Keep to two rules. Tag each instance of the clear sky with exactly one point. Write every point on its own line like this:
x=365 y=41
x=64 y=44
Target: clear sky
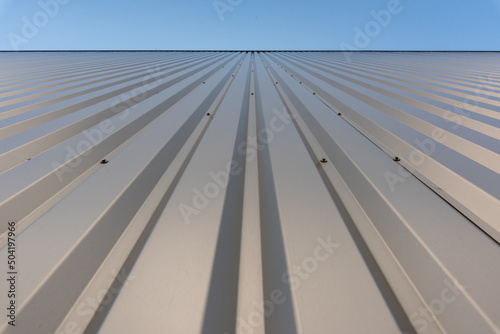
x=250 y=25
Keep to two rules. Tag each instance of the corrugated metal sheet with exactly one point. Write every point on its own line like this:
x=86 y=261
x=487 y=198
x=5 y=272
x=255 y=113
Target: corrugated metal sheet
x=251 y=192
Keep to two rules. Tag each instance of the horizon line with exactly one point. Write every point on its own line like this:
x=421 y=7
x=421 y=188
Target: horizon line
x=249 y=50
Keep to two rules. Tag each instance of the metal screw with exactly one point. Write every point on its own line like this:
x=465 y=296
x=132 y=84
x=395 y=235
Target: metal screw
x=208 y=114
x=396 y=159
x=340 y=114
x=314 y=93
x=323 y=161
x=104 y=161
x=252 y=94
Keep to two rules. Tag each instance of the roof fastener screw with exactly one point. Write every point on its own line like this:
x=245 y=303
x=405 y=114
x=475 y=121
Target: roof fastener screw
x=314 y=93
x=252 y=93
x=208 y=114
x=340 y=114
x=397 y=159
x=276 y=82
x=104 y=161
x=323 y=161
x=204 y=82
x=301 y=82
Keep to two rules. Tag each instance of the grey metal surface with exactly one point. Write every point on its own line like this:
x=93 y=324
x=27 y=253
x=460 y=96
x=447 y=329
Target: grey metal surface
x=251 y=192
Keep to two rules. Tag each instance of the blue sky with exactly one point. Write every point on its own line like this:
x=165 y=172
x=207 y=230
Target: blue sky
x=249 y=25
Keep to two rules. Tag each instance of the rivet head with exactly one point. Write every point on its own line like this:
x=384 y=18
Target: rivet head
x=104 y=161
